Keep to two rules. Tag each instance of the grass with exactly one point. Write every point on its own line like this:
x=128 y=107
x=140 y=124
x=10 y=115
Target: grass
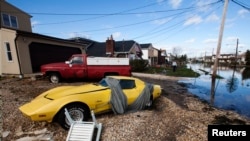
x=182 y=71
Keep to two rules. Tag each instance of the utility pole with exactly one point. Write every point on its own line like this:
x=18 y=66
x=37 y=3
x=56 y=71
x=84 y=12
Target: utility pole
x=218 y=51
x=236 y=53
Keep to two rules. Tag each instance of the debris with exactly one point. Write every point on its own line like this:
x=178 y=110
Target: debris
x=5 y=134
x=43 y=137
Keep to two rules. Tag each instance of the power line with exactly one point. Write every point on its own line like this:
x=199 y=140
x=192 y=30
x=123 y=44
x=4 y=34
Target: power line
x=134 y=23
x=177 y=15
x=110 y=14
x=173 y=26
x=184 y=28
x=117 y=13
x=242 y=4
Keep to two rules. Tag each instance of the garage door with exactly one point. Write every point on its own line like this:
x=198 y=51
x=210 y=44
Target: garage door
x=46 y=53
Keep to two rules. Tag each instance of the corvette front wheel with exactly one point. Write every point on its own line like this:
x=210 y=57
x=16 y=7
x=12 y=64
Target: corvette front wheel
x=76 y=111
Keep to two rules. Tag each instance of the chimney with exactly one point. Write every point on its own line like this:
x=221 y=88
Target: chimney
x=110 y=46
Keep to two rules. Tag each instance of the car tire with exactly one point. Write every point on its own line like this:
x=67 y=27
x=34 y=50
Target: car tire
x=54 y=78
x=77 y=112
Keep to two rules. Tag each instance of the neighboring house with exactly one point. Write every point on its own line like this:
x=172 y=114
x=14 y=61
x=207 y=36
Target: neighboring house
x=208 y=59
x=163 y=58
x=226 y=58
x=23 y=52
x=145 y=48
x=151 y=54
x=111 y=48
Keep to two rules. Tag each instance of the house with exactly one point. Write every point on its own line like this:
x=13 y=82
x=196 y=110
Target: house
x=163 y=58
x=23 y=52
x=111 y=48
x=150 y=53
x=153 y=55
x=228 y=59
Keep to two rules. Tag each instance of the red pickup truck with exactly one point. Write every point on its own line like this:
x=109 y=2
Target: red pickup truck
x=81 y=66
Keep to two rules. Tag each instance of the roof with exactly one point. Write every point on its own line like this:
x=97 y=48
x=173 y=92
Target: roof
x=82 y=40
x=124 y=46
x=4 y=1
x=145 y=46
x=99 y=49
x=35 y=35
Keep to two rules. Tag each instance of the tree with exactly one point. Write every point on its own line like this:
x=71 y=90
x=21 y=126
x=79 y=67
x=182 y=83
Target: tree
x=247 y=59
x=176 y=51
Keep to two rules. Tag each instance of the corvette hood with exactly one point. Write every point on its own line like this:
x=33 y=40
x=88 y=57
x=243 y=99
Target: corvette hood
x=73 y=90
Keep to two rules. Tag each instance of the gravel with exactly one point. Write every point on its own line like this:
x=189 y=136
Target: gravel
x=176 y=115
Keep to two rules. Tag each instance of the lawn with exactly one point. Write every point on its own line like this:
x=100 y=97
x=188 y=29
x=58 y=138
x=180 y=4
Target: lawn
x=181 y=71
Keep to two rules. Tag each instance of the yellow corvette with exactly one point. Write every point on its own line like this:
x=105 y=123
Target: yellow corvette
x=119 y=94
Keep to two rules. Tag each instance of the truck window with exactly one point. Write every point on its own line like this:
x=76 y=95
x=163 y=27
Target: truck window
x=76 y=60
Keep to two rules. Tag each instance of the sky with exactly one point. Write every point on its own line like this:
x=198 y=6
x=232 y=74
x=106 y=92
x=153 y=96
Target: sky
x=191 y=27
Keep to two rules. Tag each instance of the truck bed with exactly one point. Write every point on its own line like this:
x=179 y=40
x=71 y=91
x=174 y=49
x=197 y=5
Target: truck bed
x=107 y=61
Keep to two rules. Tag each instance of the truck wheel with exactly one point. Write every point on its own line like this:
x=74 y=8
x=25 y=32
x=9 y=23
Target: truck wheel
x=54 y=78
x=76 y=111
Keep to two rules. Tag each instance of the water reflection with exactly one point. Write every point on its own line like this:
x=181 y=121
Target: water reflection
x=232 y=83
x=230 y=94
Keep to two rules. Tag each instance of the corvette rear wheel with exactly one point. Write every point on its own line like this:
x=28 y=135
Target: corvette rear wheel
x=76 y=111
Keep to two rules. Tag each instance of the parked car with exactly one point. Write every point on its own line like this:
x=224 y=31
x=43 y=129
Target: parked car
x=113 y=93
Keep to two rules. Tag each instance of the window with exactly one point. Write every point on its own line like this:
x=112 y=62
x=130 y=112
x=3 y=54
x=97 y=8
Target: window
x=76 y=60
x=13 y=21
x=127 y=84
x=10 y=21
x=8 y=51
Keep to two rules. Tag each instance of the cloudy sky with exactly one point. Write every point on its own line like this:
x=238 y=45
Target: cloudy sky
x=191 y=26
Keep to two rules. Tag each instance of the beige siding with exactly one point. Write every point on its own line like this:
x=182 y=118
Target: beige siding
x=153 y=52
x=24 y=56
x=23 y=18
x=8 y=67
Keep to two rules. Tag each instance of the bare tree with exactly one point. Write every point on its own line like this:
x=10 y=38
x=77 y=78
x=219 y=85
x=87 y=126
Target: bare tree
x=176 y=51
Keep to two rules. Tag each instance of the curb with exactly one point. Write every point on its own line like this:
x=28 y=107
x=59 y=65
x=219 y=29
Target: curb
x=159 y=76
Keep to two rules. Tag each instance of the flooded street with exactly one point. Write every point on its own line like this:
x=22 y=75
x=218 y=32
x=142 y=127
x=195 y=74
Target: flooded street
x=232 y=91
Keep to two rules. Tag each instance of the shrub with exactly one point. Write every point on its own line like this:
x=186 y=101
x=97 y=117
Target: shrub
x=138 y=65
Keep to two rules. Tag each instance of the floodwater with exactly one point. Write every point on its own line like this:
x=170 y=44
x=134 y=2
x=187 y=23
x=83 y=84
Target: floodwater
x=232 y=92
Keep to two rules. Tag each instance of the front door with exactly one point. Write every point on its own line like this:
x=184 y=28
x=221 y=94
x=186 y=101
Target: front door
x=76 y=68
